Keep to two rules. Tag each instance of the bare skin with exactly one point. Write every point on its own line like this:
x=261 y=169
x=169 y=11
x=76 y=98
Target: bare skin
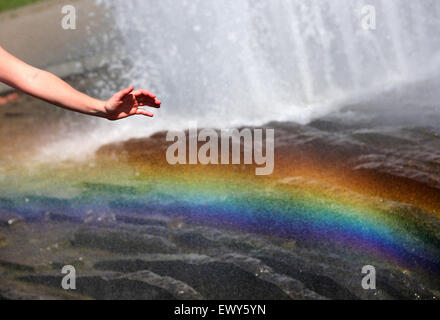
x=48 y=87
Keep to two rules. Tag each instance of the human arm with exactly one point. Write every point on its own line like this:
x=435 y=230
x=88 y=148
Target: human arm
x=46 y=86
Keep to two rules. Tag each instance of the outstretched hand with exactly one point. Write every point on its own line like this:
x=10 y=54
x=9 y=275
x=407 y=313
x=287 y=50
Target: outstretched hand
x=127 y=103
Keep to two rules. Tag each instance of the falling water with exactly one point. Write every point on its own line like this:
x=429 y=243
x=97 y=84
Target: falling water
x=246 y=62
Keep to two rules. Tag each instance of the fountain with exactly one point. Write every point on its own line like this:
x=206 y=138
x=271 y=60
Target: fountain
x=247 y=62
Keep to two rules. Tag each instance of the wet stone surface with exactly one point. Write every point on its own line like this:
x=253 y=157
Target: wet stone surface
x=122 y=261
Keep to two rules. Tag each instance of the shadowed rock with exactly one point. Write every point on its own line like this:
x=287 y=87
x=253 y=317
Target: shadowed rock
x=122 y=242
x=139 y=220
x=195 y=241
x=106 y=289
x=315 y=282
x=3 y=241
x=16 y=266
x=61 y=217
x=175 y=287
x=401 y=287
x=8 y=219
x=214 y=280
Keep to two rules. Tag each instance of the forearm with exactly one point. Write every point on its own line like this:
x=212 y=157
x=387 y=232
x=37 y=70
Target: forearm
x=46 y=86
x=52 y=89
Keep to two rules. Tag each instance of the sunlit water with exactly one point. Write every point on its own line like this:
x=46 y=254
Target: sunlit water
x=231 y=63
x=248 y=62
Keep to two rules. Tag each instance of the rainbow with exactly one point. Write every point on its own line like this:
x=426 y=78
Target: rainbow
x=287 y=205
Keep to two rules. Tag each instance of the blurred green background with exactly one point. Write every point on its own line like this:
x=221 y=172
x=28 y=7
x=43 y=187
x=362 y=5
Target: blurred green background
x=12 y=4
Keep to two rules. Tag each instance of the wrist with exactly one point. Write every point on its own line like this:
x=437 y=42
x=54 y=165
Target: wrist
x=99 y=109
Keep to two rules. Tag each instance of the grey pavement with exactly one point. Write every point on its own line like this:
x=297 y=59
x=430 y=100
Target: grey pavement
x=34 y=34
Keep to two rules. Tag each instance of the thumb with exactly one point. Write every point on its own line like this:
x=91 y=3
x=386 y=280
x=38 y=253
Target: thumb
x=121 y=94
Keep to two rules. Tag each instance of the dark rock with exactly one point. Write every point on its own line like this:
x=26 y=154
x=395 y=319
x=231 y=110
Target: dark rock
x=8 y=219
x=175 y=287
x=58 y=265
x=318 y=283
x=380 y=140
x=99 y=219
x=3 y=241
x=329 y=125
x=61 y=217
x=16 y=267
x=400 y=286
x=213 y=280
x=237 y=245
x=139 y=220
x=122 y=242
x=195 y=241
x=106 y=289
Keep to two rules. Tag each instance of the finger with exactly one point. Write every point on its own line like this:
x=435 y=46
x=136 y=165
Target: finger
x=143 y=92
x=155 y=103
x=121 y=94
x=149 y=104
x=144 y=113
